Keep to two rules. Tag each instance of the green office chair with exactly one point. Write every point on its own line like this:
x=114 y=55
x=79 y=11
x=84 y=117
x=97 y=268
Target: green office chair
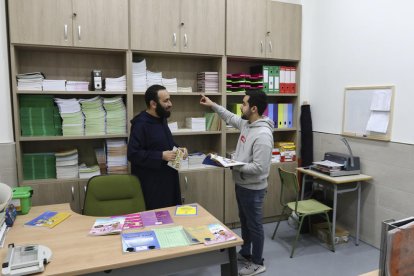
x=111 y=195
x=302 y=208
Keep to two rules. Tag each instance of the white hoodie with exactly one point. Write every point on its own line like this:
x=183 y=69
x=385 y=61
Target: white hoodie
x=254 y=147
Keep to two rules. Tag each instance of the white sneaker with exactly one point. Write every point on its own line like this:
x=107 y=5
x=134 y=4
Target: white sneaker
x=252 y=269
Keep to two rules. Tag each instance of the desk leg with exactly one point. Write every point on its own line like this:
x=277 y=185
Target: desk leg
x=302 y=191
x=335 y=200
x=358 y=213
x=231 y=267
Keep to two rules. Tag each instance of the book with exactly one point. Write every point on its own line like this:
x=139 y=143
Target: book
x=107 y=226
x=153 y=218
x=174 y=237
x=48 y=219
x=132 y=221
x=186 y=210
x=220 y=234
x=139 y=241
x=220 y=161
x=176 y=163
x=201 y=233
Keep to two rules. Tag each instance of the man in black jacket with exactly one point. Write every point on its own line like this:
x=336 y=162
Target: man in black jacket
x=150 y=148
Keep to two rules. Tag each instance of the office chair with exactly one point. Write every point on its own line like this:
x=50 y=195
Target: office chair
x=111 y=195
x=302 y=208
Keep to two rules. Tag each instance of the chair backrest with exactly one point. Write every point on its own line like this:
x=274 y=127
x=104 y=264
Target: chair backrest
x=111 y=195
x=289 y=187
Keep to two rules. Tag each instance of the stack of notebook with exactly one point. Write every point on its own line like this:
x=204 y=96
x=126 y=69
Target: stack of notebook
x=39 y=166
x=116 y=122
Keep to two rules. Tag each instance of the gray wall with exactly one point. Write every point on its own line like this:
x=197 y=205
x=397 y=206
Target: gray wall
x=389 y=195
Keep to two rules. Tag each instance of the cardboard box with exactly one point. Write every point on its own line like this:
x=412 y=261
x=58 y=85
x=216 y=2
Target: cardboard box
x=321 y=231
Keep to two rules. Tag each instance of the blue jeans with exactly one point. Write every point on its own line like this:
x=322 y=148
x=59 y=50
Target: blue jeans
x=250 y=203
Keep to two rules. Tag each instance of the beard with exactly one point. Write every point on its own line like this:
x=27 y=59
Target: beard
x=245 y=116
x=162 y=112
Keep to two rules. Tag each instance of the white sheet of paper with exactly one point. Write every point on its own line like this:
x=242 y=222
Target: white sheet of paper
x=381 y=101
x=378 y=121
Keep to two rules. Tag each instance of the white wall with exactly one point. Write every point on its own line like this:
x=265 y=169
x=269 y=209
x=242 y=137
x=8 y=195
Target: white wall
x=357 y=42
x=6 y=133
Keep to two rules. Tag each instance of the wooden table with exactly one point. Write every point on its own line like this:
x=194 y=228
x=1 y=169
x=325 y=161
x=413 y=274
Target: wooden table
x=340 y=185
x=75 y=252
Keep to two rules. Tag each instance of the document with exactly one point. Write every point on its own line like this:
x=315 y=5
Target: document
x=381 y=101
x=139 y=241
x=172 y=237
x=378 y=121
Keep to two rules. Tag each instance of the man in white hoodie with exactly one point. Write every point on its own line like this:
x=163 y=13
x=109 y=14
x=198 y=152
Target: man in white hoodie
x=254 y=147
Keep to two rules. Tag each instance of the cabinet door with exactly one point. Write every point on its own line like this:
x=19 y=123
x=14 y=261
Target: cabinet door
x=55 y=192
x=206 y=188
x=202 y=26
x=284 y=26
x=231 y=210
x=155 y=25
x=44 y=22
x=246 y=28
x=100 y=23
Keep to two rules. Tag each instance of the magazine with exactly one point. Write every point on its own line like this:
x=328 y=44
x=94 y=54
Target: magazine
x=132 y=221
x=186 y=210
x=220 y=161
x=153 y=218
x=48 y=219
x=107 y=226
x=139 y=241
x=201 y=233
x=176 y=163
x=220 y=234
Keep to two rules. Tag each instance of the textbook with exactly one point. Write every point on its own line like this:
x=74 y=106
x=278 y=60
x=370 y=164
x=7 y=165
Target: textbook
x=220 y=234
x=220 y=161
x=107 y=226
x=48 y=219
x=132 y=221
x=139 y=241
x=186 y=210
x=152 y=218
x=176 y=163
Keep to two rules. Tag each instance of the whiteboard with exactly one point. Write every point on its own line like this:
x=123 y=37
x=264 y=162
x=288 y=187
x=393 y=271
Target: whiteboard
x=368 y=112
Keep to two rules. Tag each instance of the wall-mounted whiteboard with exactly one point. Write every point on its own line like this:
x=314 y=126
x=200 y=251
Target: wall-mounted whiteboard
x=368 y=112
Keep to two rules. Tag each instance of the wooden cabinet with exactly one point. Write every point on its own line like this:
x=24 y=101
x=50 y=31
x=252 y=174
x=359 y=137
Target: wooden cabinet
x=263 y=29
x=81 y=23
x=189 y=26
x=55 y=192
x=205 y=187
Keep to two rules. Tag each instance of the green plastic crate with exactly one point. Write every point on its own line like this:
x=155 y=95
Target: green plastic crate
x=22 y=199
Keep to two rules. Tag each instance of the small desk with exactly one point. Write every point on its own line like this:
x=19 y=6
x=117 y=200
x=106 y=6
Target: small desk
x=341 y=184
x=74 y=252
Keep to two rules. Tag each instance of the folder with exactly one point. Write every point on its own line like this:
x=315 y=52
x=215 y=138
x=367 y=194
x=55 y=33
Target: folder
x=280 y=115
x=265 y=70
x=293 y=80
x=270 y=110
x=290 y=115
x=285 y=115
x=276 y=79
x=282 y=79
x=275 y=114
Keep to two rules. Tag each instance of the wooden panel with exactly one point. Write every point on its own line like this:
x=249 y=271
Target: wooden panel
x=205 y=188
x=246 y=28
x=100 y=23
x=153 y=25
x=55 y=192
x=203 y=29
x=41 y=22
x=284 y=25
x=231 y=211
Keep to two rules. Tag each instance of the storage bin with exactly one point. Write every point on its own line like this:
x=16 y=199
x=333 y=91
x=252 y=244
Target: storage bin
x=22 y=199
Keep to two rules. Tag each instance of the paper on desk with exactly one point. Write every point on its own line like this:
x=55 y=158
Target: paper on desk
x=378 y=121
x=328 y=163
x=171 y=237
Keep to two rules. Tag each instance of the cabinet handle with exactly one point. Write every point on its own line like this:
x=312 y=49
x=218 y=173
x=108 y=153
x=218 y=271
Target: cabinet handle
x=270 y=46
x=186 y=182
x=73 y=193
x=79 y=32
x=261 y=46
x=174 y=39
x=185 y=40
x=65 y=32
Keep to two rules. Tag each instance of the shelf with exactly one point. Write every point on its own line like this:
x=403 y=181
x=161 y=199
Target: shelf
x=184 y=93
x=182 y=132
x=67 y=93
x=50 y=181
x=200 y=167
x=269 y=95
x=274 y=130
x=58 y=138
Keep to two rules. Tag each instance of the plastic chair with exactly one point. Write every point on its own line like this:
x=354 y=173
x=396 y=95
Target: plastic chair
x=111 y=195
x=302 y=208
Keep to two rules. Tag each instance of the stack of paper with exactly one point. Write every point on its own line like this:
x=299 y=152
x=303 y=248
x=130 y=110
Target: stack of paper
x=101 y=159
x=67 y=164
x=116 y=122
x=196 y=124
x=95 y=116
x=30 y=81
x=72 y=116
x=196 y=158
x=54 y=85
x=154 y=78
x=170 y=84
x=86 y=172
x=77 y=86
x=139 y=76
x=39 y=116
x=115 y=84
x=185 y=89
x=39 y=166
x=116 y=156
x=207 y=82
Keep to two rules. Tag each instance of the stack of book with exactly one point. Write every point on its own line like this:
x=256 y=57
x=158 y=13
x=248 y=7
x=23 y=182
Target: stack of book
x=213 y=122
x=139 y=76
x=116 y=156
x=116 y=122
x=30 y=81
x=54 y=85
x=287 y=151
x=196 y=124
x=115 y=84
x=77 y=85
x=67 y=164
x=101 y=159
x=154 y=78
x=207 y=82
x=95 y=116
x=170 y=84
x=86 y=172
x=72 y=116
x=39 y=166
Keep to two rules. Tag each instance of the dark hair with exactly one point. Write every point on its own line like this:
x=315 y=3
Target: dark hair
x=257 y=98
x=152 y=93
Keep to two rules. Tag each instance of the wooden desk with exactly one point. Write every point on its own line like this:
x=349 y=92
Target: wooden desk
x=74 y=252
x=340 y=185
